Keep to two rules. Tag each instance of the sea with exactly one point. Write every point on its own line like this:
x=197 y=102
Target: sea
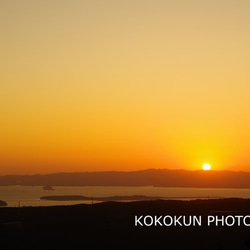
x=20 y=196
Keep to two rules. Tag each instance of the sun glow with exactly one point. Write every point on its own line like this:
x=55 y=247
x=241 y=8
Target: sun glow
x=206 y=167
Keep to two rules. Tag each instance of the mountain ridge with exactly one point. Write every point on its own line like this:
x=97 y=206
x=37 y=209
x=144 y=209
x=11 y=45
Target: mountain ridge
x=147 y=177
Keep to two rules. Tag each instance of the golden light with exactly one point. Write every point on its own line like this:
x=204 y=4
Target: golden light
x=206 y=167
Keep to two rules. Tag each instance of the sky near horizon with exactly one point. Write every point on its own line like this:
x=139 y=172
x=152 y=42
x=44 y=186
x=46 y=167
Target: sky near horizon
x=124 y=85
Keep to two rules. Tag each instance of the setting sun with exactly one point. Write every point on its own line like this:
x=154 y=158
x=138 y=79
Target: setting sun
x=206 y=167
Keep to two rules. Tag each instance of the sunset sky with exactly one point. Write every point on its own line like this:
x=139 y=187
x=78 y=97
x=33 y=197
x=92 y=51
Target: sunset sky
x=124 y=85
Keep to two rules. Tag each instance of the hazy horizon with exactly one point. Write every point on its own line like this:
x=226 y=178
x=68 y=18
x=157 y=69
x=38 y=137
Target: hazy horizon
x=128 y=171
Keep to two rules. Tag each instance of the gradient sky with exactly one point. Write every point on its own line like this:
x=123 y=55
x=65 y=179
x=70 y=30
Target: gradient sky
x=124 y=85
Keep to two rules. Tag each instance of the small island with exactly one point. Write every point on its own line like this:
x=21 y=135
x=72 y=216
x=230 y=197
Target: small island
x=3 y=203
x=48 y=187
x=110 y=198
x=118 y=198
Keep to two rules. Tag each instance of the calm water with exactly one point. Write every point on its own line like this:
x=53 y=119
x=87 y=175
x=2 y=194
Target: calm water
x=30 y=196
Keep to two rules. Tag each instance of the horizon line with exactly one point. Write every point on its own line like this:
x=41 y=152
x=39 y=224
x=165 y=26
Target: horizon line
x=131 y=171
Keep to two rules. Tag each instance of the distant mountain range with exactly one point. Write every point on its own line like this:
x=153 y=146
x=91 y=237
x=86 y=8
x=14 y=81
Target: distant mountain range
x=149 y=177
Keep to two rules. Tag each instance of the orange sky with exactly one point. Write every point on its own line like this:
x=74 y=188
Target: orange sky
x=124 y=85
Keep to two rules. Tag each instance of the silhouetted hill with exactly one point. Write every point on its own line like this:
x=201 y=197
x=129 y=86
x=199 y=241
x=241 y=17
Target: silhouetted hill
x=109 y=198
x=111 y=225
x=150 y=177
